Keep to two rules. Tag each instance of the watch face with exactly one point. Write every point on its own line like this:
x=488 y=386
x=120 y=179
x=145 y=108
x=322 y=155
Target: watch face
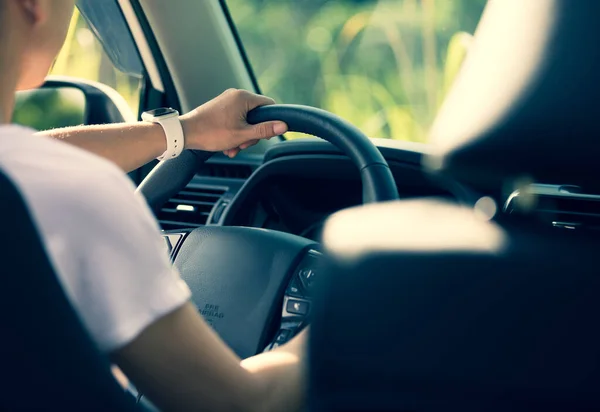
x=162 y=112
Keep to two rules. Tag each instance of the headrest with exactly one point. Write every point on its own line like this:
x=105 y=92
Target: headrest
x=527 y=101
x=429 y=306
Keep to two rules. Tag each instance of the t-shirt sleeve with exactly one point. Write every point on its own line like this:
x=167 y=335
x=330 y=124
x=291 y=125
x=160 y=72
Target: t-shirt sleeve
x=109 y=255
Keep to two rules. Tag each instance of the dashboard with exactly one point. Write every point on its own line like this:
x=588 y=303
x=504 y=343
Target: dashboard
x=296 y=186
x=302 y=182
x=293 y=188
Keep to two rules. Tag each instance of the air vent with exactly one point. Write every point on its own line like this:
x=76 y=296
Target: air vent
x=569 y=213
x=227 y=171
x=555 y=206
x=190 y=208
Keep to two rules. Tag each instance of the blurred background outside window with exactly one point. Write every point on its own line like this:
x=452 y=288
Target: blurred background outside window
x=385 y=65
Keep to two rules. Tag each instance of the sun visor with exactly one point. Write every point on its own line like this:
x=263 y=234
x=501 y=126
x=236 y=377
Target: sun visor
x=106 y=21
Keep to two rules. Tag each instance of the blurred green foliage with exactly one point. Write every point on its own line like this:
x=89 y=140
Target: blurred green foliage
x=45 y=109
x=385 y=65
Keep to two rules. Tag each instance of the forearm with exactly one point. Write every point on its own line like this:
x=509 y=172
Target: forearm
x=128 y=145
x=218 y=125
x=282 y=373
x=182 y=365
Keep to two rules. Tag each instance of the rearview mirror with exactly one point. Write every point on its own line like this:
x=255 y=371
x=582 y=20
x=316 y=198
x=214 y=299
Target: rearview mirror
x=65 y=101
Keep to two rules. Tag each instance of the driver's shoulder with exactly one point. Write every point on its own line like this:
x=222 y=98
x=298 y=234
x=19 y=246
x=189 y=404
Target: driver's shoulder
x=23 y=151
x=61 y=182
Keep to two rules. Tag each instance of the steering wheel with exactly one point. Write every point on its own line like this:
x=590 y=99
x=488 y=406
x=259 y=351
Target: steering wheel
x=240 y=277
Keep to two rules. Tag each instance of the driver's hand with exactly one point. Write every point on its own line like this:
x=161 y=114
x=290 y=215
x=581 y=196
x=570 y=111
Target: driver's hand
x=220 y=124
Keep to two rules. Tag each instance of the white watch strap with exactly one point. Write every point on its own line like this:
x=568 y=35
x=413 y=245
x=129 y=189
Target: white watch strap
x=175 y=138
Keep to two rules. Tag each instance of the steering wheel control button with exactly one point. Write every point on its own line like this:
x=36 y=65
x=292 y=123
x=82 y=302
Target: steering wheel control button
x=297 y=307
x=307 y=277
x=295 y=289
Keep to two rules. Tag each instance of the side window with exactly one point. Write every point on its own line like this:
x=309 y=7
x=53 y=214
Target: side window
x=83 y=56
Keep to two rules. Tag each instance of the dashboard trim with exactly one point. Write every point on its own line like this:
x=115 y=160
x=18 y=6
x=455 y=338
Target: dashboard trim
x=404 y=152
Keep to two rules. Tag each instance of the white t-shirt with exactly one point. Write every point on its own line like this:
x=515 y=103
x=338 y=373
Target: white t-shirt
x=101 y=237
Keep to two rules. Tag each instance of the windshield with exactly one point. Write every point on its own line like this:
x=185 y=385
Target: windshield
x=385 y=65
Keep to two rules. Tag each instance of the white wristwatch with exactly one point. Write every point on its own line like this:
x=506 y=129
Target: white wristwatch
x=169 y=120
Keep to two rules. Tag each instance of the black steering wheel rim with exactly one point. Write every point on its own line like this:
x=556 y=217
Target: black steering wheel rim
x=377 y=179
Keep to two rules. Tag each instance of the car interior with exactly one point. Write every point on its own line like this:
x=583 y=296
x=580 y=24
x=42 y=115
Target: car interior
x=454 y=275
